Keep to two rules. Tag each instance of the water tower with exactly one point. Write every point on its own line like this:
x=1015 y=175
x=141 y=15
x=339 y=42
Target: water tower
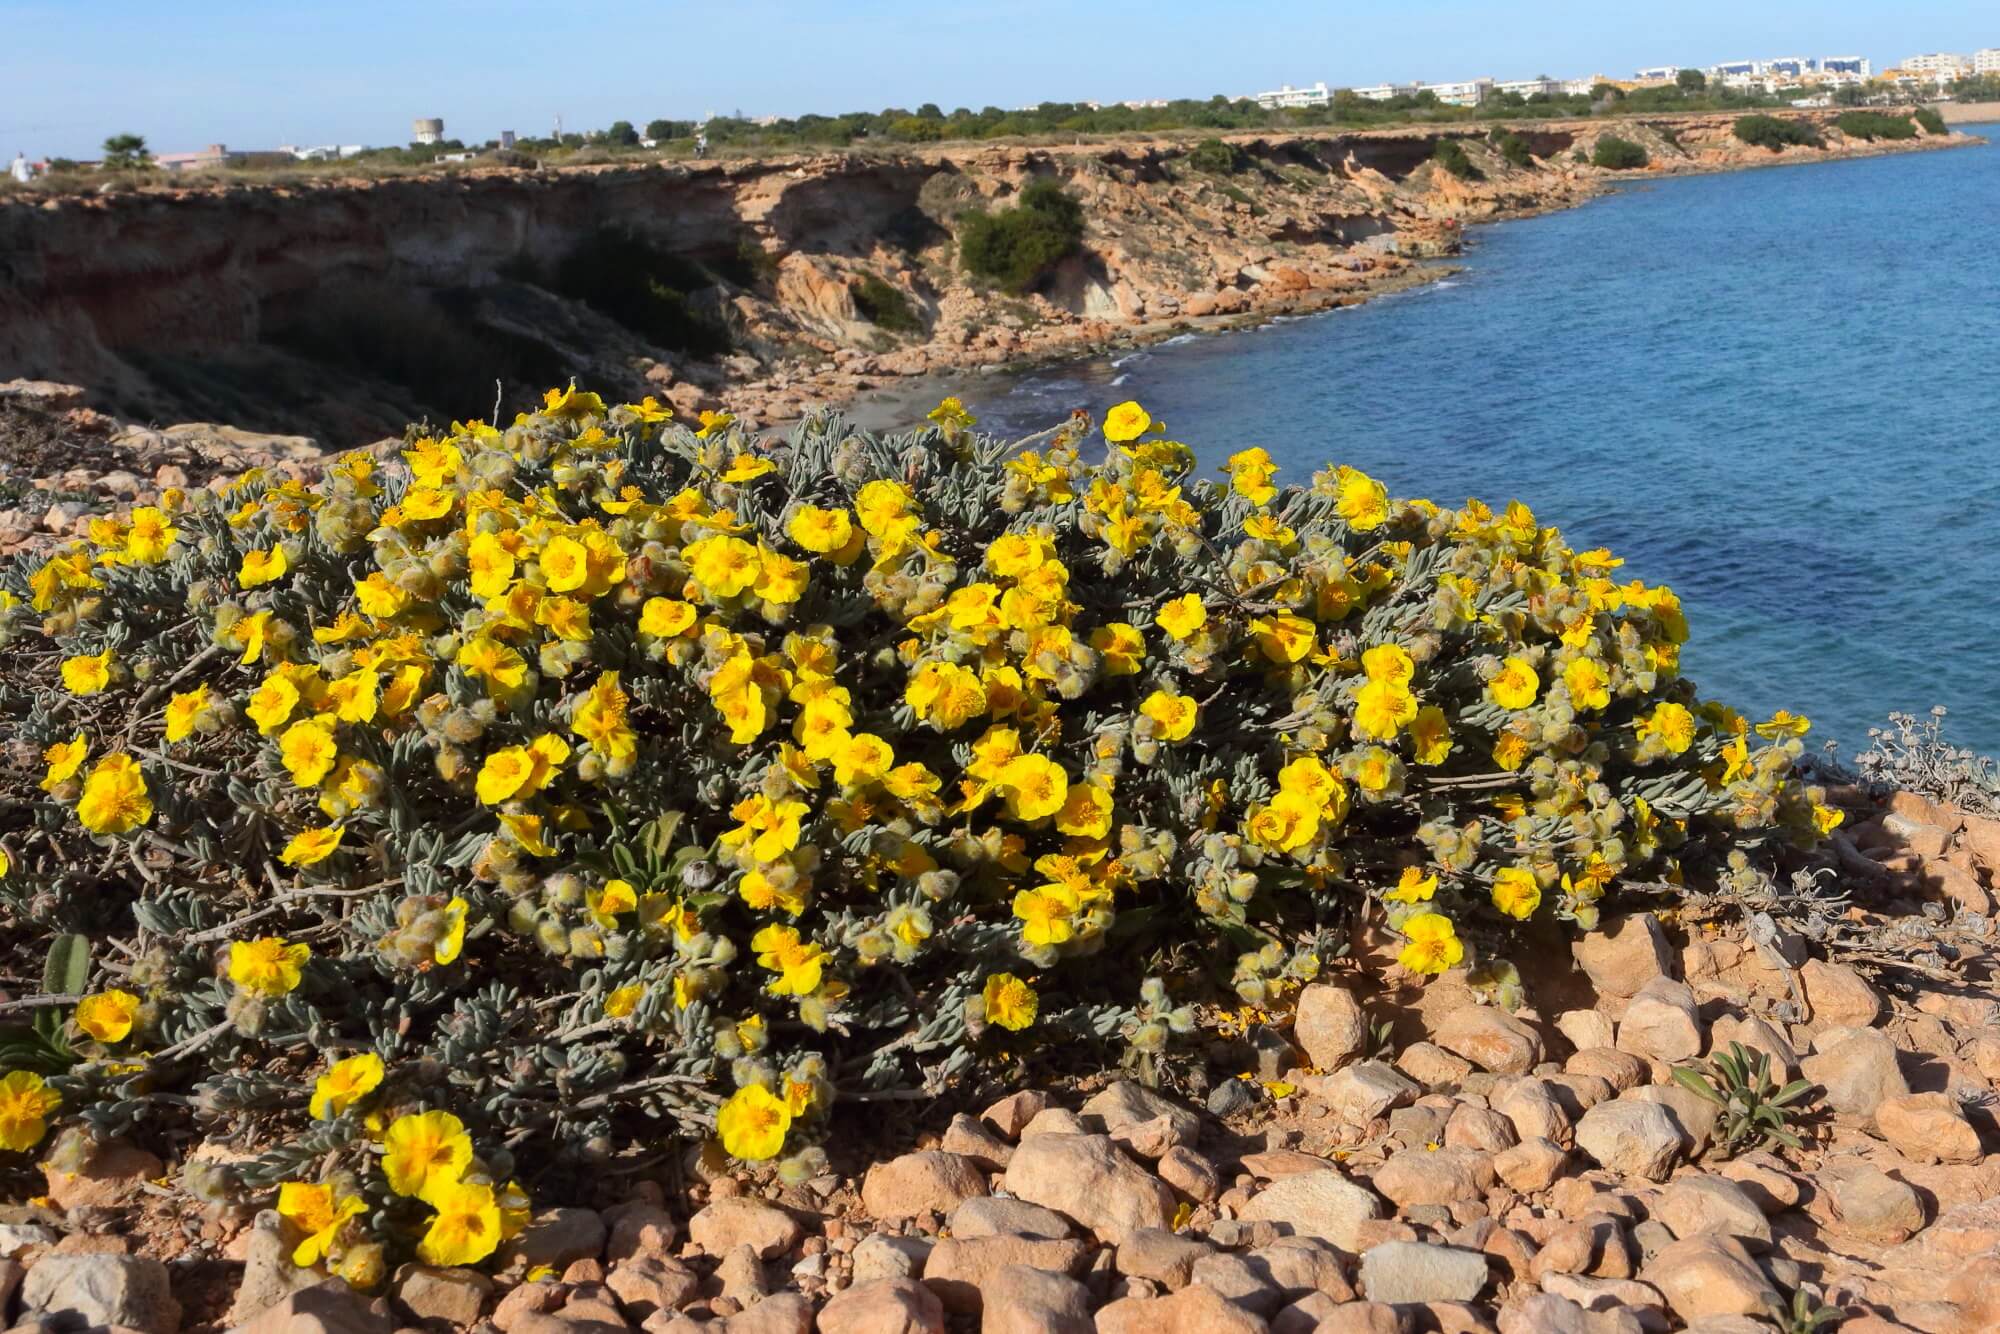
x=427 y=130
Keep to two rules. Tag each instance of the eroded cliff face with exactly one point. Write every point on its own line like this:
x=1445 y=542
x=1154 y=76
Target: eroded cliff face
x=343 y=310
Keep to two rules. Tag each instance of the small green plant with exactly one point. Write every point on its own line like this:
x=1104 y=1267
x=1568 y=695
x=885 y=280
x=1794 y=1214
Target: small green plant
x=885 y=306
x=1756 y=1113
x=1515 y=150
x=1615 y=154
x=1804 y=1314
x=1451 y=156
x=1016 y=249
x=1776 y=134
x=1215 y=157
x=1872 y=125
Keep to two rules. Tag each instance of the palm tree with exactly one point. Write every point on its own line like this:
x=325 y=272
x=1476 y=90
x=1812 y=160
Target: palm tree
x=126 y=152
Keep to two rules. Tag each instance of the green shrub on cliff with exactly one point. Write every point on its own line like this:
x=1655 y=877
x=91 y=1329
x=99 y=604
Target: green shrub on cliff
x=1514 y=149
x=1775 y=133
x=513 y=805
x=1615 y=154
x=644 y=288
x=1873 y=125
x=1931 y=120
x=885 y=306
x=1215 y=157
x=1015 y=249
x=1450 y=155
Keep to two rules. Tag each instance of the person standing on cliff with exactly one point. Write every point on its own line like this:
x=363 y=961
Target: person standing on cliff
x=20 y=170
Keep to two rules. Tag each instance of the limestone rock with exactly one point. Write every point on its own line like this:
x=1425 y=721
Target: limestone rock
x=1432 y=1066
x=1363 y=1091
x=930 y=1181
x=111 y=1177
x=1870 y=1203
x=1530 y=1166
x=639 y=1229
x=1632 y=1137
x=977 y=1141
x=1929 y=1128
x=1532 y=1110
x=1010 y=1115
x=1662 y=1022
x=1420 y=1176
x=881 y=1256
x=1415 y=1271
x=1126 y=1104
x=1321 y=1204
x=102 y=1289
x=1191 y=1174
x=328 y=1307
x=1086 y=1178
x=1839 y=996
x=1710 y=1276
x=1330 y=1026
x=1193 y=1310
x=1478 y=1128
x=1587 y=1028
x=1756 y=1034
x=886 y=1306
x=1620 y=1069
x=1713 y=1206
x=1624 y=955
x=1034 y=1301
x=1165 y=1257
x=959 y=1271
x=734 y=1221
x=1491 y=1039
x=646 y=1284
x=555 y=1238
x=269 y=1276
x=1546 y=1313
x=999 y=1216
x=454 y=1296
x=1858 y=1072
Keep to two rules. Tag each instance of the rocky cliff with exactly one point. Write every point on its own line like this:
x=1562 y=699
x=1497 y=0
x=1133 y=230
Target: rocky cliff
x=343 y=309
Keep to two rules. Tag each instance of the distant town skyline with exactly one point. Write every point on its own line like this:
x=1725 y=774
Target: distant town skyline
x=255 y=76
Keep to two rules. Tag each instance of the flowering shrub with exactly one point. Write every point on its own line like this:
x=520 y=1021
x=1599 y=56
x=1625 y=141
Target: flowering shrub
x=439 y=830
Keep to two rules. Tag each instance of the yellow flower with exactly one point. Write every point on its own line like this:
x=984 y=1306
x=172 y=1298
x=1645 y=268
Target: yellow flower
x=1285 y=823
x=1515 y=892
x=1784 y=723
x=1174 y=714
x=747 y=468
x=26 y=1101
x=664 y=618
x=64 y=758
x=1382 y=708
x=309 y=847
x=490 y=661
x=1045 y=914
x=1672 y=724
x=1086 y=812
x=753 y=1124
x=950 y=414
x=1362 y=501
x=1036 y=787
x=798 y=963
x=489 y=566
x=1250 y=474
x=713 y=423
x=150 y=536
x=423 y=1152
x=1120 y=647
x=345 y=1083
x=262 y=567
x=1433 y=944
x=114 y=797
x=87 y=674
x=1826 y=819
x=314 y=1211
x=467 y=1227
x=308 y=750
x=1413 y=887
x=821 y=531
x=272 y=702
x=565 y=564
x=184 y=711
x=1127 y=421
x=1589 y=688
x=108 y=1015
x=452 y=943
x=1285 y=637
x=1431 y=735
x=1182 y=616
x=723 y=566
x=267 y=966
x=622 y=1002
x=1515 y=685
x=504 y=774
x=1010 y=1002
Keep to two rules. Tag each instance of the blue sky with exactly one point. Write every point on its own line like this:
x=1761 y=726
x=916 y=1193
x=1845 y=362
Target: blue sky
x=255 y=74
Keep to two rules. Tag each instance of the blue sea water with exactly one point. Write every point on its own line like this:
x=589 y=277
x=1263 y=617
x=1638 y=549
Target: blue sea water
x=1776 y=391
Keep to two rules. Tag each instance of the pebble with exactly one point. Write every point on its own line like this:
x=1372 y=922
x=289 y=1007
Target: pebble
x=1412 y=1271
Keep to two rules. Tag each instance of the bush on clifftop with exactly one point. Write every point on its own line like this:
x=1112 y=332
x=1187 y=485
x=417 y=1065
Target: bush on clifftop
x=1776 y=134
x=1451 y=156
x=1932 y=120
x=1017 y=248
x=1875 y=125
x=1615 y=154
x=1215 y=157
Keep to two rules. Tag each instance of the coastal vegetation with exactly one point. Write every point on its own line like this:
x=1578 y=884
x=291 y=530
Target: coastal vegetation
x=1214 y=156
x=885 y=306
x=1776 y=134
x=1450 y=154
x=1514 y=149
x=1875 y=125
x=1931 y=120
x=645 y=288
x=1615 y=154
x=442 y=829
x=1016 y=248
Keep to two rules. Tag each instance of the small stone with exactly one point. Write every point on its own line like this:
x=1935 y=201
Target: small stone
x=1432 y=1066
x=960 y=1269
x=881 y=1256
x=649 y=1283
x=1531 y=1166
x=1010 y=1116
x=527 y=1299
x=1662 y=1022
x=1033 y=1301
x=1605 y=1294
x=1313 y=1312
x=1195 y=1309
x=1478 y=1128
x=1165 y=1257
x=781 y=1313
x=978 y=1142
x=454 y=1296
x=1126 y=1104
x=1240 y=1282
x=1330 y=1026
x=930 y=1181
x=1190 y=1174
x=1710 y=1276
x=555 y=1238
x=1415 y=1271
x=1870 y=1203
x=1694 y=1114
x=1086 y=1178
x=103 y=1289
x=639 y=1229
x=328 y=1307
x=1321 y=1204
x=1546 y=1313
x=269 y=1276
x=1491 y=1039
x=1695 y=1206
x=1632 y=1138
x=111 y=1178
x=887 y=1306
x=734 y=1220
x=742 y=1275
x=1054 y=1121
x=1423 y=1176
x=1000 y=1216
x=1839 y=996
x=1858 y=1072
x=1624 y=955
x=1532 y=1112
x=1928 y=1128
x=1587 y=1028
x=1363 y=1091
x=1620 y=1069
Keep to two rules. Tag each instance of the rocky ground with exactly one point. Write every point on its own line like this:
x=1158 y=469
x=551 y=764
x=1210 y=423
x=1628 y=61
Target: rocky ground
x=1527 y=1172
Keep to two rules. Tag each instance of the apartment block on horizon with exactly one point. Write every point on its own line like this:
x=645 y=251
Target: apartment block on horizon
x=1319 y=95
x=1940 y=65
x=1388 y=92
x=1987 y=61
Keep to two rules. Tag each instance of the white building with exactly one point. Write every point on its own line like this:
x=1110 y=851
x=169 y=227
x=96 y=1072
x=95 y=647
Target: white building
x=1582 y=87
x=1987 y=61
x=1530 y=87
x=1940 y=65
x=1319 y=95
x=1385 y=92
x=1858 y=67
x=1658 y=74
x=1465 y=93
